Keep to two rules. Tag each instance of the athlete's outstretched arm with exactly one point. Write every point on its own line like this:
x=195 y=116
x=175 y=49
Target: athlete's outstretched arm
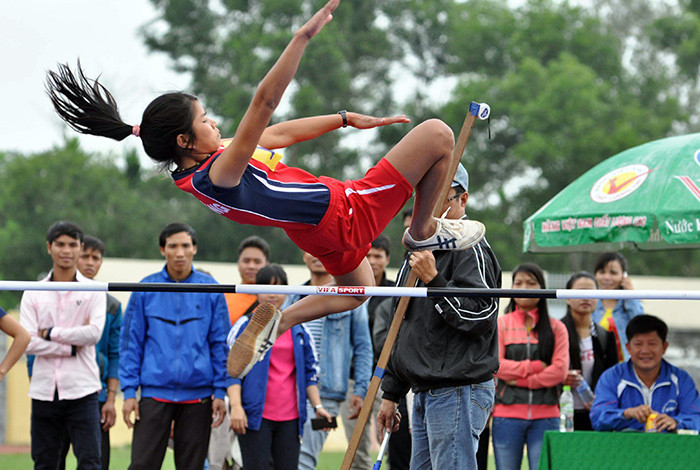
x=227 y=170
x=291 y=132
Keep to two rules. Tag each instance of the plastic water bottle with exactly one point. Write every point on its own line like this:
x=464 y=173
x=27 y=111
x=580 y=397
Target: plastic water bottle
x=566 y=410
x=585 y=393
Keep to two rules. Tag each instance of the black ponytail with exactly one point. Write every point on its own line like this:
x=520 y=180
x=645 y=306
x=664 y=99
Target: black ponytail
x=88 y=107
x=85 y=105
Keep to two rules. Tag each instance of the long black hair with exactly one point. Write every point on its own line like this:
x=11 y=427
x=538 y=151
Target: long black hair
x=568 y=320
x=545 y=335
x=89 y=108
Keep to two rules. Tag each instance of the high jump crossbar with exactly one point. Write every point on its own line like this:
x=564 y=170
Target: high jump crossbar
x=373 y=291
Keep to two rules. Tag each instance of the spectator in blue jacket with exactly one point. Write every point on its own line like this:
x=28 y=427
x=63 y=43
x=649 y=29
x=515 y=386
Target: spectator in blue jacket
x=628 y=393
x=268 y=406
x=173 y=347
x=613 y=314
x=338 y=338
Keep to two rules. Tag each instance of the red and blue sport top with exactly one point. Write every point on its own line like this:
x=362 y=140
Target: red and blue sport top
x=269 y=193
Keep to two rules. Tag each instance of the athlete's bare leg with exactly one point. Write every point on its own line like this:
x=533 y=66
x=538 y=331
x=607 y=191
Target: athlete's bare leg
x=312 y=307
x=267 y=324
x=424 y=157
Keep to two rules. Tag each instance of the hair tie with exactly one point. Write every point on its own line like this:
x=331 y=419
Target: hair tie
x=136 y=130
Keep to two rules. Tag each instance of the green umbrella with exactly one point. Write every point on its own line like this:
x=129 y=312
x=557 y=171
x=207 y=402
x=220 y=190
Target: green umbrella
x=647 y=196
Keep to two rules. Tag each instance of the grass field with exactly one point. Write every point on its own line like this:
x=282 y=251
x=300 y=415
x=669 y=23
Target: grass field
x=120 y=460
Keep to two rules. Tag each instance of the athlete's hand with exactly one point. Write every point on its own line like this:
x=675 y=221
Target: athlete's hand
x=239 y=420
x=319 y=20
x=130 y=404
x=423 y=264
x=360 y=121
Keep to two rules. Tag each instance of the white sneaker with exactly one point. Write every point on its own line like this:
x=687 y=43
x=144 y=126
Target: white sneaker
x=257 y=338
x=451 y=234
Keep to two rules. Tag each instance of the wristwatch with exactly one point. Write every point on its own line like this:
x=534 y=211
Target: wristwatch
x=344 y=115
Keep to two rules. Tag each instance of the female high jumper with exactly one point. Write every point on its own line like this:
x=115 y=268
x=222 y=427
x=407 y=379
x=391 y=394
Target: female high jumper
x=243 y=180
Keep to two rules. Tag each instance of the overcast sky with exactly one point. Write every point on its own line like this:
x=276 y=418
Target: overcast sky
x=35 y=35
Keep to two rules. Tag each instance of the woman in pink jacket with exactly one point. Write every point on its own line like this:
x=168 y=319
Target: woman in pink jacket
x=533 y=350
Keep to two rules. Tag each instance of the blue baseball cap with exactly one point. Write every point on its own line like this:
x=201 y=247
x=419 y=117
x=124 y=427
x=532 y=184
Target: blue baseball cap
x=461 y=178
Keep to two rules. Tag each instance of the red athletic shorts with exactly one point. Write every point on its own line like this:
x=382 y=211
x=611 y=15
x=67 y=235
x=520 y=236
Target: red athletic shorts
x=357 y=213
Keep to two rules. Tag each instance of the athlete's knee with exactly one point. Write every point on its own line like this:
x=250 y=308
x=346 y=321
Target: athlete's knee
x=439 y=133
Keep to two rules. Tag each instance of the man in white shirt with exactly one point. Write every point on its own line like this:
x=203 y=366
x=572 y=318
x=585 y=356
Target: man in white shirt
x=64 y=328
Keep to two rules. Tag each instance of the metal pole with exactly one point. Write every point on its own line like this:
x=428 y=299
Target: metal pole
x=382 y=449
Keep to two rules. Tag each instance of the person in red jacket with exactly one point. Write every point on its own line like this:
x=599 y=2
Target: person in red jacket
x=533 y=350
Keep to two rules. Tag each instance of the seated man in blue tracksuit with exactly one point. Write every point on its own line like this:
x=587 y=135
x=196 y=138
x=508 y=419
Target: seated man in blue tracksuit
x=629 y=392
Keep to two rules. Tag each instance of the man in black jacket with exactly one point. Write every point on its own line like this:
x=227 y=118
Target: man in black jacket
x=447 y=352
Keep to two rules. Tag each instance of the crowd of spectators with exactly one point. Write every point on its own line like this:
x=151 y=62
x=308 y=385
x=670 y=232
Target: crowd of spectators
x=168 y=358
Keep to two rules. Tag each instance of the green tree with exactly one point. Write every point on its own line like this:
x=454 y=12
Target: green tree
x=65 y=184
x=126 y=208
x=563 y=100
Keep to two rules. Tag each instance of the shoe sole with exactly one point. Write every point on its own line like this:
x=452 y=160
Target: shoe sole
x=243 y=350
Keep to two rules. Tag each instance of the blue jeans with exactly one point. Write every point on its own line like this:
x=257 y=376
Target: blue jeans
x=312 y=441
x=509 y=436
x=447 y=423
